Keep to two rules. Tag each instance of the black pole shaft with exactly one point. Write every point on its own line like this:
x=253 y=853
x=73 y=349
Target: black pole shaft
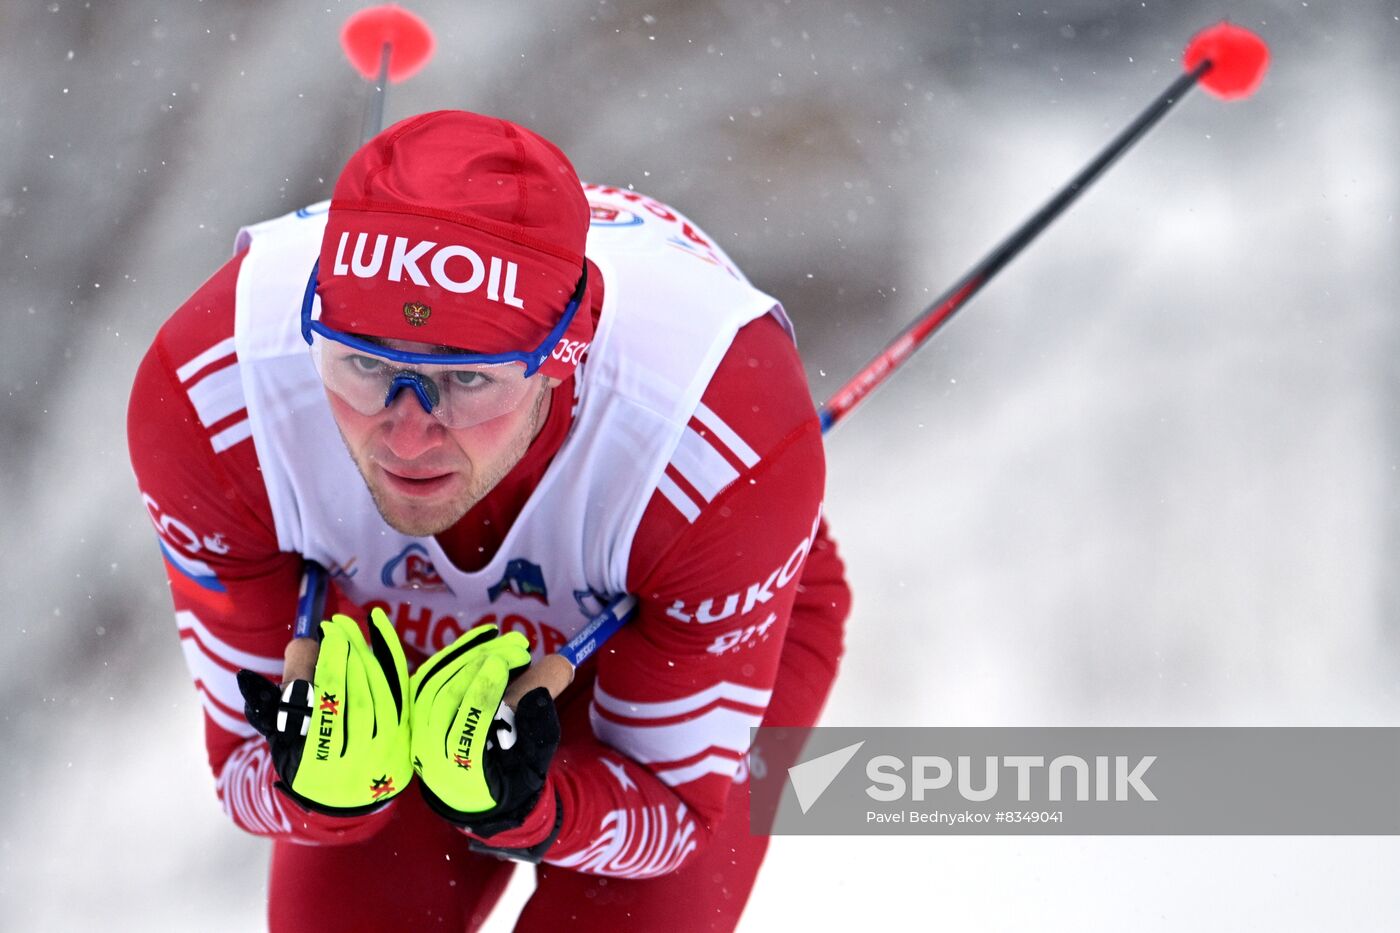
x=913 y=336
x=1028 y=231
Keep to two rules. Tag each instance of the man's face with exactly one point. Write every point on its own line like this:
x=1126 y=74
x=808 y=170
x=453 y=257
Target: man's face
x=424 y=476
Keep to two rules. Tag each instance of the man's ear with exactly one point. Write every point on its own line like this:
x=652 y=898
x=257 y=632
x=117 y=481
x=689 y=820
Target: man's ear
x=550 y=383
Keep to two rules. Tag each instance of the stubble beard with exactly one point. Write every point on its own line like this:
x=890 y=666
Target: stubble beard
x=432 y=520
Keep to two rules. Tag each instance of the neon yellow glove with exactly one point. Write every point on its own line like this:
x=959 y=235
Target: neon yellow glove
x=341 y=745
x=475 y=769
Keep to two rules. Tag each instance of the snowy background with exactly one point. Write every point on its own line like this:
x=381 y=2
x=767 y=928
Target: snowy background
x=1148 y=477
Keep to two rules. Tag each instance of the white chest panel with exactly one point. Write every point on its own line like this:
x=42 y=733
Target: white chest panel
x=672 y=304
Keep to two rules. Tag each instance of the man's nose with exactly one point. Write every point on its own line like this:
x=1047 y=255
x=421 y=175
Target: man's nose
x=412 y=431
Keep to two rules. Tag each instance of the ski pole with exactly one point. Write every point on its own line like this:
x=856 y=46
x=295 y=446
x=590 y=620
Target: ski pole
x=1227 y=59
x=299 y=659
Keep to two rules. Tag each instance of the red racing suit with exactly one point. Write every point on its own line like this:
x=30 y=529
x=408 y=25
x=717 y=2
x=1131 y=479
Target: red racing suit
x=716 y=634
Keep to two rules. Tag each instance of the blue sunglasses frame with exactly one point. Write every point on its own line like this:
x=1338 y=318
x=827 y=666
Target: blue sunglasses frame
x=533 y=359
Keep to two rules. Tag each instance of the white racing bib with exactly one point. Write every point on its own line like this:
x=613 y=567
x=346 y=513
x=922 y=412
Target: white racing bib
x=672 y=305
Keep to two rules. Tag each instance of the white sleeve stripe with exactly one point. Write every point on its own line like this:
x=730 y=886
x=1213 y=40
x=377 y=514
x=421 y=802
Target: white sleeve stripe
x=231 y=435
x=723 y=690
x=718 y=731
x=668 y=742
x=706 y=416
x=217 y=352
x=712 y=764
x=217 y=395
x=702 y=465
x=238 y=727
x=187 y=621
x=677 y=497
x=219 y=682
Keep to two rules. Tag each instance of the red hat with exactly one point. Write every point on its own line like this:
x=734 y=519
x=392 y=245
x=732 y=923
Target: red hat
x=461 y=230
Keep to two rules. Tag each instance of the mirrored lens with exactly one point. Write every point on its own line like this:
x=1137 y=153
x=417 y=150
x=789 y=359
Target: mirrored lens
x=466 y=395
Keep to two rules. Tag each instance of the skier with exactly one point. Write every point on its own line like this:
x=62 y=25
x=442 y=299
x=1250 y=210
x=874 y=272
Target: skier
x=485 y=437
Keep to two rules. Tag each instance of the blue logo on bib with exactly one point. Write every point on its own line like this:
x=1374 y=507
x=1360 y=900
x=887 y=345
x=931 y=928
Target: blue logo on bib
x=523 y=580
